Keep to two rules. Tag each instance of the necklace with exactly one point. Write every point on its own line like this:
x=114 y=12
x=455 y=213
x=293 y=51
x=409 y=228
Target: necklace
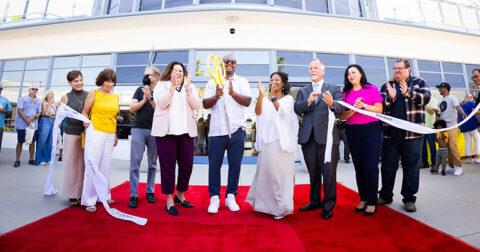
x=79 y=100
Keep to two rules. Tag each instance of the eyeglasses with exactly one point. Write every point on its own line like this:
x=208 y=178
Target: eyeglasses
x=34 y=89
x=398 y=68
x=230 y=62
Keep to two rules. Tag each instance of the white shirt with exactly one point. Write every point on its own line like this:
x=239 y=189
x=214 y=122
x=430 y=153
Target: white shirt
x=317 y=87
x=281 y=125
x=234 y=113
x=178 y=112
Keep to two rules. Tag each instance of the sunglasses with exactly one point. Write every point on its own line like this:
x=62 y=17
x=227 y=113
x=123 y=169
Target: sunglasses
x=34 y=89
x=228 y=62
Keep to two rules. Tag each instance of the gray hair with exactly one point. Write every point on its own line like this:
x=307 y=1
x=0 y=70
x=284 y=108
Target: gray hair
x=154 y=69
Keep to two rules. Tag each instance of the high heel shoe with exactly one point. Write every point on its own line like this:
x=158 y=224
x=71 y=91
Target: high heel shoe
x=171 y=210
x=365 y=213
x=361 y=209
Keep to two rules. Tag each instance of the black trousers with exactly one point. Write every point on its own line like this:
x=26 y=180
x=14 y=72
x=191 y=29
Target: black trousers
x=314 y=154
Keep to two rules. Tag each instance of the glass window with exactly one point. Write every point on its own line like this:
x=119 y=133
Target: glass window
x=13 y=65
x=66 y=62
x=130 y=75
x=294 y=71
x=163 y=58
x=15 y=10
x=432 y=79
x=317 y=5
x=120 y=6
x=146 y=5
x=334 y=75
x=450 y=14
x=374 y=68
x=355 y=8
x=214 y=1
x=33 y=64
x=253 y=70
x=431 y=11
x=294 y=58
x=36 y=8
x=11 y=79
x=253 y=63
x=452 y=67
x=38 y=77
x=96 y=60
x=69 y=8
x=252 y=1
x=133 y=58
x=455 y=80
x=177 y=3
x=334 y=59
x=424 y=65
x=341 y=7
x=59 y=77
x=469 y=17
x=289 y=3
x=89 y=75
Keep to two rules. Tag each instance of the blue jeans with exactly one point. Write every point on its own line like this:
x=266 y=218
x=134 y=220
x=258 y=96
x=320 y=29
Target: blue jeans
x=216 y=149
x=139 y=139
x=44 y=143
x=410 y=152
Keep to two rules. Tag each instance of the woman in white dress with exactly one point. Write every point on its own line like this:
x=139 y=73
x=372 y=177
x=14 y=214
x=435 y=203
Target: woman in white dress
x=271 y=191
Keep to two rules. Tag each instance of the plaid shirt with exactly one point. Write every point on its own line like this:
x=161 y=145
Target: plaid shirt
x=415 y=104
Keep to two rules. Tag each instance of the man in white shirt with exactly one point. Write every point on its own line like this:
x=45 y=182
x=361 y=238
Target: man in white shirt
x=448 y=107
x=226 y=132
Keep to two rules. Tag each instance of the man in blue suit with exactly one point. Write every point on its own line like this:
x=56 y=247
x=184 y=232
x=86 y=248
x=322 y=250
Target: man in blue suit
x=313 y=104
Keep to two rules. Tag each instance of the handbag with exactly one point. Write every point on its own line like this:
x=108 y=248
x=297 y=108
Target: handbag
x=29 y=133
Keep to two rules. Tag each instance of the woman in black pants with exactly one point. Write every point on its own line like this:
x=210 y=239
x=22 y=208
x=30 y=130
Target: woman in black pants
x=364 y=135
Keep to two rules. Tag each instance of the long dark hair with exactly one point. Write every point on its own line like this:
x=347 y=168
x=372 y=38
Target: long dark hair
x=284 y=77
x=168 y=70
x=348 y=85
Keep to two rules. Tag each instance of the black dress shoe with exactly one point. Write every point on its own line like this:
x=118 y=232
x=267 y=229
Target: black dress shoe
x=185 y=203
x=360 y=210
x=151 y=198
x=327 y=214
x=133 y=202
x=309 y=207
x=172 y=210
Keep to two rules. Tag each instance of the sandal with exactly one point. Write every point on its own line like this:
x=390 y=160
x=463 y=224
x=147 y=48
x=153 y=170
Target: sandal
x=91 y=209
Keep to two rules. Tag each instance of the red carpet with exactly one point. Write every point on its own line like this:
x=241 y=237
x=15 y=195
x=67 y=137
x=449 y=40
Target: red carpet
x=73 y=229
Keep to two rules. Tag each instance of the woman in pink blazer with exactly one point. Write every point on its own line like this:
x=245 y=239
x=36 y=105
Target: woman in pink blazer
x=174 y=127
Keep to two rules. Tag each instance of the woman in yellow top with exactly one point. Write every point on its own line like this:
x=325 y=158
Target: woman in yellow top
x=101 y=106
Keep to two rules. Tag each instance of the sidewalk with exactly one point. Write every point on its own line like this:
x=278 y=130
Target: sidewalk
x=450 y=204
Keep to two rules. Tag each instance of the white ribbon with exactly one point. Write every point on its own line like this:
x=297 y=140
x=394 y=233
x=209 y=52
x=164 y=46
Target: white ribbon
x=99 y=181
x=328 y=147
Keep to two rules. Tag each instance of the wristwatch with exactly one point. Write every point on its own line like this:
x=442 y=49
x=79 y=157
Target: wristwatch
x=274 y=99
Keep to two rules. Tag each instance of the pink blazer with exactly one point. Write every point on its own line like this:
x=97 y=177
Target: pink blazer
x=161 y=117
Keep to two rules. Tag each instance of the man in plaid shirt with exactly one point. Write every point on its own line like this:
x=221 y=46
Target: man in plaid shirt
x=404 y=97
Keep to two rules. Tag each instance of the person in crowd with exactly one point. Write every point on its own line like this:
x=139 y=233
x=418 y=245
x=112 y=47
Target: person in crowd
x=45 y=129
x=200 y=139
x=271 y=191
x=342 y=126
x=404 y=97
x=60 y=140
x=5 y=109
x=29 y=110
x=226 y=132
x=476 y=83
x=174 y=128
x=442 y=153
x=364 y=135
x=447 y=109
x=312 y=104
x=470 y=130
x=102 y=107
x=143 y=106
x=430 y=116
x=73 y=160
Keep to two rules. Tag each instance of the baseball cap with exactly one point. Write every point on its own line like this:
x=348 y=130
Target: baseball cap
x=444 y=85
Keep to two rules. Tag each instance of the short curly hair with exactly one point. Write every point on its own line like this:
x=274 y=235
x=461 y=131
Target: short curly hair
x=106 y=74
x=284 y=77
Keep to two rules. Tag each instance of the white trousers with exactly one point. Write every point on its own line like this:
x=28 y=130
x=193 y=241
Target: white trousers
x=475 y=135
x=101 y=154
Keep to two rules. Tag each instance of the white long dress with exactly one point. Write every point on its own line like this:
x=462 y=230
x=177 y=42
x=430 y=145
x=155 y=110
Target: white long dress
x=271 y=191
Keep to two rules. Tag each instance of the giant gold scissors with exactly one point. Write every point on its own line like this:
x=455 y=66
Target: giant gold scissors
x=217 y=72
x=218 y=75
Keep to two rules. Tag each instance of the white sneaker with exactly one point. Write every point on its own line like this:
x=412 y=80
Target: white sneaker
x=43 y=163
x=458 y=171
x=449 y=170
x=231 y=203
x=214 y=204
x=476 y=161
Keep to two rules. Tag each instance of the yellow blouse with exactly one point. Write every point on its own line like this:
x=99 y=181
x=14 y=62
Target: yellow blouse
x=104 y=112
